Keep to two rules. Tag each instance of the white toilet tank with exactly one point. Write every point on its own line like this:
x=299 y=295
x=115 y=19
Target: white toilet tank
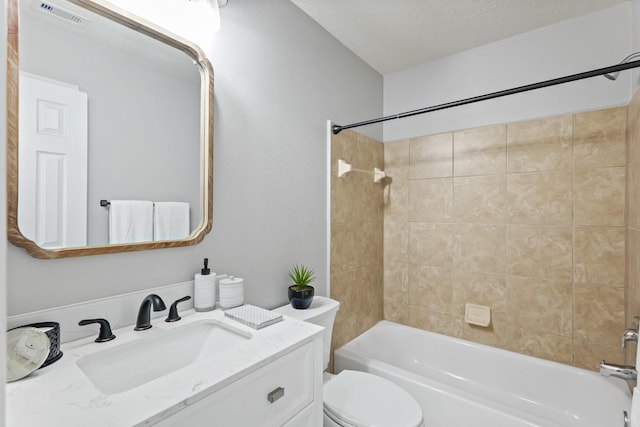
x=322 y=312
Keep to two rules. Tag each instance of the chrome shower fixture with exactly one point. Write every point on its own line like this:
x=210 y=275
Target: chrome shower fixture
x=613 y=76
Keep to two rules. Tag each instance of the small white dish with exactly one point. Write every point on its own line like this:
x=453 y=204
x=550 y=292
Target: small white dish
x=27 y=349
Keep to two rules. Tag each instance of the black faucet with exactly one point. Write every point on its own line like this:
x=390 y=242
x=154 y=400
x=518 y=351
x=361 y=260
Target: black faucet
x=173 y=310
x=144 y=313
x=105 y=329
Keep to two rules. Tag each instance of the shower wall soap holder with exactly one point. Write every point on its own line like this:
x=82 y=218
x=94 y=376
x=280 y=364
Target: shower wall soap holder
x=344 y=168
x=479 y=315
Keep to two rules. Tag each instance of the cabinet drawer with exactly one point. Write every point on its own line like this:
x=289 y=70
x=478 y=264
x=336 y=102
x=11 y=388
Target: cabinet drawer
x=267 y=397
x=304 y=418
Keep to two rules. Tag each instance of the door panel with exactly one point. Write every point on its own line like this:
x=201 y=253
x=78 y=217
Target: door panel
x=52 y=172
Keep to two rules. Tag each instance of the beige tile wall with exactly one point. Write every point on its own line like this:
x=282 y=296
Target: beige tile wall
x=527 y=218
x=632 y=289
x=356 y=236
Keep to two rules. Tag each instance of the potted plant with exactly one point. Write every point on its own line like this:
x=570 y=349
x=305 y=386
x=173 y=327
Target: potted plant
x=301 y=293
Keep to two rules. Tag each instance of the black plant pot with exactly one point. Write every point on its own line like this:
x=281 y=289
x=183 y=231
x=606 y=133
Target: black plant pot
x=300 y=299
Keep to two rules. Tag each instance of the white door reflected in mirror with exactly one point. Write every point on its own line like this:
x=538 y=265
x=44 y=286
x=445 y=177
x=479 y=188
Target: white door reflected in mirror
x=52 y=163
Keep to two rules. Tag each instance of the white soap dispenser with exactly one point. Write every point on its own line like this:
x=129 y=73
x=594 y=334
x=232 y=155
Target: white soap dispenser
x=204 y=289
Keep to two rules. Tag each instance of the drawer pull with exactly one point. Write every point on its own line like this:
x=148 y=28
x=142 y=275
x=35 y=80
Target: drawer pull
x=275 y=394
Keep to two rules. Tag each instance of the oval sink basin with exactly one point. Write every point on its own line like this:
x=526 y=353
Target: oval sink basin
x=129 y=365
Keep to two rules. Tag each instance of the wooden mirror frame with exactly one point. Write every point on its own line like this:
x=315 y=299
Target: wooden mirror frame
x=206 y=134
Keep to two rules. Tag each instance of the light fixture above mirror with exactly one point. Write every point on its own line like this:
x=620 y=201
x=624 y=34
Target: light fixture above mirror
x=141 y=135
x=193 y=20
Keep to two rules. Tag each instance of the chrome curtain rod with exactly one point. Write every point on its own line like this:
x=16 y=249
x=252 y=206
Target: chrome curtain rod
x=553 y=82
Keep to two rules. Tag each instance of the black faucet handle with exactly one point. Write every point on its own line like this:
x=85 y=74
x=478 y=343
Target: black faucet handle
x=173 y=310
x=105 y=329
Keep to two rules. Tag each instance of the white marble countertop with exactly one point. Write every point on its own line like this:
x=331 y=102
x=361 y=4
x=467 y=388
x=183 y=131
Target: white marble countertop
x=61 y=394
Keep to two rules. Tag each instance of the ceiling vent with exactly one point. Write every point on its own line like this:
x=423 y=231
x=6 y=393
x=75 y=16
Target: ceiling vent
x=61 y=13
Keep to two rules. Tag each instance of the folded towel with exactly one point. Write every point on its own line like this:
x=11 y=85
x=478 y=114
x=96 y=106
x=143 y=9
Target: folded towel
x=171 y=220
x=130 y=221
x=253 y=316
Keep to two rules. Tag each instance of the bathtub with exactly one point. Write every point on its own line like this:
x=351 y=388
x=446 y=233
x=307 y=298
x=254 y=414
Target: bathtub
x=464 y=384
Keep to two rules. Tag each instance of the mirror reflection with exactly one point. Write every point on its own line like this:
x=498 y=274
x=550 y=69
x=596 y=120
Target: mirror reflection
x=108 y=114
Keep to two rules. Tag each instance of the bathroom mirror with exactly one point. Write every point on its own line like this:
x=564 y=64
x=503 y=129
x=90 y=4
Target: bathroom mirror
x=145 y=122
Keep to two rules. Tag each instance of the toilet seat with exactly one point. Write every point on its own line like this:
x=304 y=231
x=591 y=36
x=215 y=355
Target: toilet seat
x=360 y=399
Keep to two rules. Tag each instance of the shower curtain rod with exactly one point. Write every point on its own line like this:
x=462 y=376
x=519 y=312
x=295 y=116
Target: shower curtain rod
x=553 y=82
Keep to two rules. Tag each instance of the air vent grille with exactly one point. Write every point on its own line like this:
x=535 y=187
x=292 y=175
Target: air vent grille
x=61 y=13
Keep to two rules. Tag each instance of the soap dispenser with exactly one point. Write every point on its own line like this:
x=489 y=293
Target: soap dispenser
x=204 y=289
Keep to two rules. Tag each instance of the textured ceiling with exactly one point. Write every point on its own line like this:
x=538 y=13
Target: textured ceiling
x=395 y=35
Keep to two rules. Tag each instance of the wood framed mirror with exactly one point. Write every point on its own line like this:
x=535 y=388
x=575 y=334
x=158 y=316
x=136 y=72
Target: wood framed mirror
x=147 y=126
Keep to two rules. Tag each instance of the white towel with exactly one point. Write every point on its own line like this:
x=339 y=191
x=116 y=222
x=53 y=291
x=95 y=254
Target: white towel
x=635 y=408
x=130 y=221
x=171 y=221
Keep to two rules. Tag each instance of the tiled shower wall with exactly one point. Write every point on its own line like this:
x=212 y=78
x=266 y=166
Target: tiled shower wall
x=527 y=218
x=356 y=236
x=632 y=297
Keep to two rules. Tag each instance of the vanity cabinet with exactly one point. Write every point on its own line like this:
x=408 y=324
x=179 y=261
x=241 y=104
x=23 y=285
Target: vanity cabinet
x=272 y=378
x=287 y=392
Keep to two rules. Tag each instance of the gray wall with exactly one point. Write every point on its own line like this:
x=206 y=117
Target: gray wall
x=144 y=120
x=591 y=41
x=278 y=78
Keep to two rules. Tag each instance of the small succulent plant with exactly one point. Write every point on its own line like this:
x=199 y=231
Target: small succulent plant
x=301 y=276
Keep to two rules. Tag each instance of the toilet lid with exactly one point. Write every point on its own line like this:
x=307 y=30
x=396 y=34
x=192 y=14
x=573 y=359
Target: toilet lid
x=364 y=400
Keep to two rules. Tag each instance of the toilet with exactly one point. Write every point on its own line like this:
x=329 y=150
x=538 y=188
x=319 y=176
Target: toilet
x=354 y=398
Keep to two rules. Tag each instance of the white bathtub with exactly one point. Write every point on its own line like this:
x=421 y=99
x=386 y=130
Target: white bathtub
x=463 y=384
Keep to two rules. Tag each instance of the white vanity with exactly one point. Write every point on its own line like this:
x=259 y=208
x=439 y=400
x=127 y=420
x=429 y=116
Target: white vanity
x=238 y=376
